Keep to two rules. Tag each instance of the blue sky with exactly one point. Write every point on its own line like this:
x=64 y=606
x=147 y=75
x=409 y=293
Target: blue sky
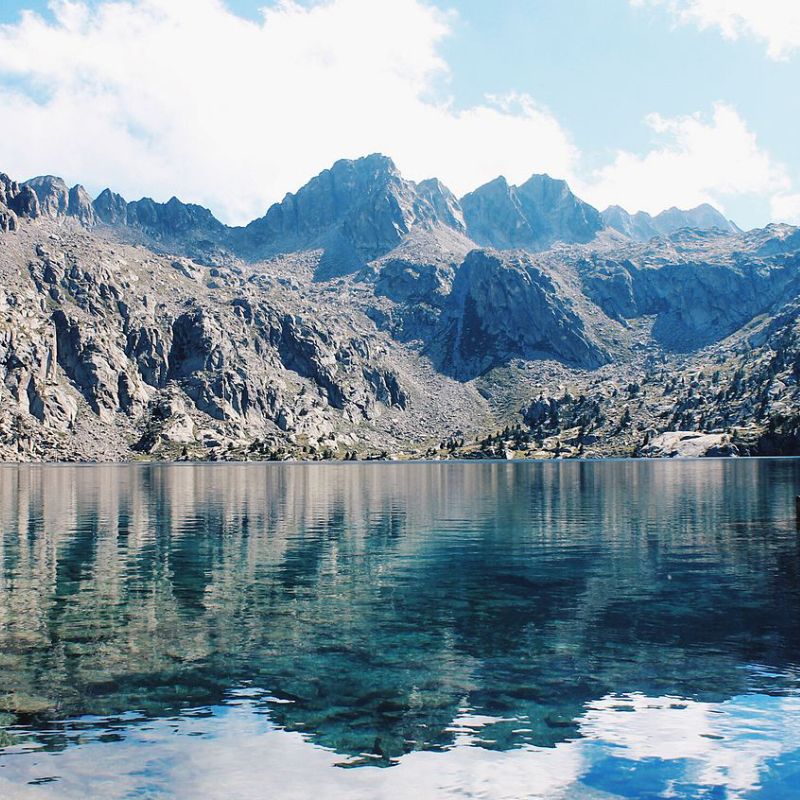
x=722 y=84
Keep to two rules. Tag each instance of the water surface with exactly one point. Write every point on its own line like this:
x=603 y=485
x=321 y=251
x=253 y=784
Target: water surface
x=496 y=630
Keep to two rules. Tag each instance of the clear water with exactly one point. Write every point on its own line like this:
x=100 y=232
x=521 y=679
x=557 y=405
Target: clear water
x=496 y=630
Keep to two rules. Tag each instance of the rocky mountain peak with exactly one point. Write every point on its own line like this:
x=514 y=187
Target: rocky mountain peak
x=52 y=193
x=702 y=217
x=56 y=200
x=444 y=203
x=111 y=208
x=79 y=205
x=533 y=216
x=542 y=188
x=356 y=211
x=641 y=226
x=172 y=218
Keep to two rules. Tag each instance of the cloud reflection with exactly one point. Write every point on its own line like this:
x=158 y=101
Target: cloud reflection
x=239 y=753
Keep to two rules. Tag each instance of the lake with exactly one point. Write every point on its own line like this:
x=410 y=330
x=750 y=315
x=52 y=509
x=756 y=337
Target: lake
x=589 y=630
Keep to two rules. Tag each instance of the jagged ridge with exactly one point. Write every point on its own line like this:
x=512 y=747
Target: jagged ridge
x=360 y=314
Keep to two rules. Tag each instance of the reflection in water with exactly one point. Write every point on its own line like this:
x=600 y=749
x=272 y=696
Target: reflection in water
x=661 y=747
x=487 y=628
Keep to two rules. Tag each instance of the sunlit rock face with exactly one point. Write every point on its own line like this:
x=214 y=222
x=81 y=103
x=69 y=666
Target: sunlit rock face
x=642 y=226
x=354 y=212
x=533 y=216
x=367 y=315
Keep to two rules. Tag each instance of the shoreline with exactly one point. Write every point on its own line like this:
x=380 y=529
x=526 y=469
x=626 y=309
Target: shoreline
x=395 y=461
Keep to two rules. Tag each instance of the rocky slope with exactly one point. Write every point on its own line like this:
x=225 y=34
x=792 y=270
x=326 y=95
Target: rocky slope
x=364 y=316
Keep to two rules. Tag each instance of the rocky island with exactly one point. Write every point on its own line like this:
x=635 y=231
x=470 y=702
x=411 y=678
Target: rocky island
x=369 y=316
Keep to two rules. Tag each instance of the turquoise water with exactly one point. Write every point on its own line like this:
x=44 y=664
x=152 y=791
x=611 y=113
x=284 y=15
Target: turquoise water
x=499 y=630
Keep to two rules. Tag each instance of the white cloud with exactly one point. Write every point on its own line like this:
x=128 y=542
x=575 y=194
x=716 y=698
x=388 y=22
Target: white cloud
x=776 y=22
x=694 y=160
x=786 y=208
x=715 y=741
x=162 y=97
x=183 y=96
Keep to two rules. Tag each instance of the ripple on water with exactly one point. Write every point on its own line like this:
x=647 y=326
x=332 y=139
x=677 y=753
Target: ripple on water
x=582 y=630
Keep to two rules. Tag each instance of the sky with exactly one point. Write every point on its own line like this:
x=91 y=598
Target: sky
x=232 y=103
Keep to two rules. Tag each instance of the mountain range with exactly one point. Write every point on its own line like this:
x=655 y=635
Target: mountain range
x=368 y=315
x=358 y=210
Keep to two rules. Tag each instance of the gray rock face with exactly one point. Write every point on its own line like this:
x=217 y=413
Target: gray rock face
x=79 y=205
x=703 y=218
x=182 y=225
x=638 y=226
x=409 y=282
x=16 y=201
x=690 y=444
x=8 y=191
x=641 y=226
x=55 y=200
x=694 y=303
x=111 y=208
x=775 y=240
x=354 y=212
x=505 y=306
x=52 y=193
x=82 y=338
x=26 y=203
x=532 y=216
x=172 y=219
x=358 y=315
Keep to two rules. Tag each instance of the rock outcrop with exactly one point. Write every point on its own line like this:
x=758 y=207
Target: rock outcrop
x=690 y=444
x=16 y=201
x=93 y=336
x=693 y=303
x=111 y=208
x=56 y=200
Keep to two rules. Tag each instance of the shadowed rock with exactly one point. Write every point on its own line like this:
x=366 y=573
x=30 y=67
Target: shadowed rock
x=504 y=306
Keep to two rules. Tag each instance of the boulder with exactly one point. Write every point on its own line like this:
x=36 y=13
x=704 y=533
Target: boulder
x=689 y=444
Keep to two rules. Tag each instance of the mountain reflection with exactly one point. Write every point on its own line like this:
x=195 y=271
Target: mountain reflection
x=386 y=601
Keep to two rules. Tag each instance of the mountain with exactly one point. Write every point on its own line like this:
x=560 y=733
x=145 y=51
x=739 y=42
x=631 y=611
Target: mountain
x=361 y=209
x=56 y=200
x=641 y=226
x=175 y=223
x=534 y=216
x=354 y=212
x=638 y=226
x=46 y=196
x=370 y=314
